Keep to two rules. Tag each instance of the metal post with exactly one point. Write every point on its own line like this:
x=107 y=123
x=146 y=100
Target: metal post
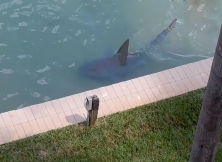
x=92 y=106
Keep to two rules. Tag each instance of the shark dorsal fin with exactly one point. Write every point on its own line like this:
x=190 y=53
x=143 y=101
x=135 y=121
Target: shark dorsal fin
x=123 y=53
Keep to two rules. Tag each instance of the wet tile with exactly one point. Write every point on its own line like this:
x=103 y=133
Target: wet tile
x=181 y=72
x=137 y=84
x=79 y=102
x=175 y=74
x=2 y=123
x=130 y=86
x=150 y=81
x=64 y=104
x=118 y=104
x=56 y=120
x=98 y=93
x=124 y=88
x=144 y=97
x=150 y=95
x=188 y=84
x=7 y=120
x=131 y=101
x=205 y=77
x=157 y=93
x=162 y=77
x=43 y=110
x=49 y=123
x=111 y=106
x=27 y=128
x=168 y=76
x=124 y=102
x=42 y=125
x=35 y=127
x=5 y=135
x=62 y=120
x=169 y=89
x=35 y=111
x=182 y=86
x=58 y=108
x=104 y=93
x=138 y=99
x=14 y=117
x=205 y=65
x=193 y=69
x=176 y=88
x=118 y=89
x=156 y=79
x=78 y=116
x=50 y=108
x=70 y=117
x=70 y=101
x=199 y=67
x=20 y=131
x=105 y=109
x=13 y=133
x=163 y=92
x=21 y=115
x=111 y=92
x=28 y=113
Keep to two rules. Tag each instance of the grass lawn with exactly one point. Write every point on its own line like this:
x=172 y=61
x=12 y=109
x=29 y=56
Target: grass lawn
x=159 y=132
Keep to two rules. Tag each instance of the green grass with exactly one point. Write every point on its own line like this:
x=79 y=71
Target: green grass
x=160 y=132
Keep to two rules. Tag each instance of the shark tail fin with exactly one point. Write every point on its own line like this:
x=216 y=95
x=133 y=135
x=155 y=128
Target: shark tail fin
x=123 y=53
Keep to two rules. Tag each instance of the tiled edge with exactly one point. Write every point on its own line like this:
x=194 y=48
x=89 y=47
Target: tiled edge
x=35 y=119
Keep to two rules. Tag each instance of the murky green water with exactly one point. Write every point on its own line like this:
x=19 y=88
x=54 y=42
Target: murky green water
x=43 y=42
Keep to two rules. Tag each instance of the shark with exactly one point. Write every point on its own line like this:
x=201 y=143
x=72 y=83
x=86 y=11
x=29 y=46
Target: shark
x=123 y=63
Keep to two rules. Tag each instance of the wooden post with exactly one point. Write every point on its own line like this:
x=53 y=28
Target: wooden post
x=208 y=129
x=92 y=107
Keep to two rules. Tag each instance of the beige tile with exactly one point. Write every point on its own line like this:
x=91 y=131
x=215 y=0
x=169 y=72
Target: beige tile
x=157 y=93
x=56 y=120
x=89 y=93
x=5 y=135
x=28 y=113
x=118 y=104
x=21 y=115
x=175 y=74
x=137 y=84
x=188 y=84
x=42 y=125
x=124 y=88
x=43 y=110
x=143 y=83
x=71 y=102
x=131 y=101
x=187 y=70
x=193 y=69
x=156 y=79
x=163 y=92
x=182 y=86
x=7 y=120
x=78 y=116
x=199 y=67
x=130 y=86
x=62 y=120
x=14 y=117
x=1 y=139
x=205 y=77
x=2 y=123
x=105 y=109
x=50 y=108
x=150 y=81
x=35 y=127
x=168 y=76
x=100 y=113
x=181 y=72
x=20 y=131
x=209 y=62
x=162 y=77
x=205 y=65
x=124 y=102
x=111 y=106
x=117 y=89
x=176 y=88
x=79 y=102
x=82 y=96
x=150 y=95
x=70 y=117
x=49 y=123
x=104 y=93
x=64 y=104
x=27 y=128
x=13 y=133
x=144 y=97
x=169 y=89
x=58 y=108
x=83 y=112
x=35 y=111
x=200 y=80
x=138 y=99
x=111 y=92
x=98 y=93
